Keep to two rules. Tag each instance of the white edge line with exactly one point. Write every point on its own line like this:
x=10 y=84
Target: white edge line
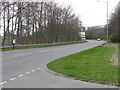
x=3 y=82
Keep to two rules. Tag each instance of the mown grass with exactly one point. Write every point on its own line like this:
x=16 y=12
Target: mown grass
x=40 y=46
x=92 y=64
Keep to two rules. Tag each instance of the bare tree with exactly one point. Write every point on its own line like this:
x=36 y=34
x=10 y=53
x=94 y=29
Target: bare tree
x=40 y=22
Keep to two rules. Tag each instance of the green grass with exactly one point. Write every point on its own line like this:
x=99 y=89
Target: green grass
x=40 y=46
x=92 y=64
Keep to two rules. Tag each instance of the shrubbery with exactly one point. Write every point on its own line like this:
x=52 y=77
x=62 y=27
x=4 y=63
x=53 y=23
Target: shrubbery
x=114 y=38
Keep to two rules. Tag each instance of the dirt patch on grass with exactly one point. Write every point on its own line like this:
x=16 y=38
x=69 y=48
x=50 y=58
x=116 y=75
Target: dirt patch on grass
x=114 y=59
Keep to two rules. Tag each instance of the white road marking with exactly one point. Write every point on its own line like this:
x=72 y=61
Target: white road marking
x=16 y=55
x=33 y=70
x=12 y=79
x=25 y=54
x=27 y=73
x=20 y=75
x=21 y=54
x=43 y=51
x=28 y=53
x=38 y=68
x=3 y=82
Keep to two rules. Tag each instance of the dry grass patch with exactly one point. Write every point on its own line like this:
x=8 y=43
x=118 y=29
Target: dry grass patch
x=114 y=59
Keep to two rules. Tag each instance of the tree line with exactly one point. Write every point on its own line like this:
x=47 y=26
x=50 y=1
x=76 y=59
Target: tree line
x=96 y=32
x=113 y=28
x=38 y=22
x=114 y=24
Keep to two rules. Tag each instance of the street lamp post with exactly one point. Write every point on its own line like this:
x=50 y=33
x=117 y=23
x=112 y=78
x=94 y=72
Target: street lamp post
x=107 y=22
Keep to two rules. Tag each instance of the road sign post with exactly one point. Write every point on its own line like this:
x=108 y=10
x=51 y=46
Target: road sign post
x=14 y=39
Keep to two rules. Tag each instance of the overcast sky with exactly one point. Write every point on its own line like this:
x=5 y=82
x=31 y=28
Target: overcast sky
x=91 y=12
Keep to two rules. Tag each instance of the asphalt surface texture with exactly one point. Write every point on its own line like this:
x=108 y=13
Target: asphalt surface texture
x=25 y=68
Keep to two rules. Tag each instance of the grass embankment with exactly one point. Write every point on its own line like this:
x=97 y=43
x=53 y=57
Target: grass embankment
x=92 y=64
x=40 y=46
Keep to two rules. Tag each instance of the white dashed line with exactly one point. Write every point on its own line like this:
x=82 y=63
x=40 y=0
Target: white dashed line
x=43 y=51
x=3 y=82
x=12 y=79
x=20 y=75
x=27 y=73
x=33 y=70
x=21 y=54
x=38 y=68
x=16 y=55
x=28 y=53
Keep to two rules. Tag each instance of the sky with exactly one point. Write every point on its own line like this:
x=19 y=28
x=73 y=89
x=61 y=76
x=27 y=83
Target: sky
x=91 y=12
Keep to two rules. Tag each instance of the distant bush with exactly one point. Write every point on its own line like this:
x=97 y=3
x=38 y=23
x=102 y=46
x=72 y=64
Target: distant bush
x=114 y=38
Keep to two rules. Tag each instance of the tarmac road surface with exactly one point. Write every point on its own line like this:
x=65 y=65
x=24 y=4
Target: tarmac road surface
x=25 y=68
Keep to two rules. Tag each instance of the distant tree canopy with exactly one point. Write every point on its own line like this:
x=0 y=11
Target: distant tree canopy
x=38 y=22
x=95 y=32
x=113 y=28
x=114 y=25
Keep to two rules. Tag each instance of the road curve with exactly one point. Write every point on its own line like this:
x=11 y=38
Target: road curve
x=25 y=68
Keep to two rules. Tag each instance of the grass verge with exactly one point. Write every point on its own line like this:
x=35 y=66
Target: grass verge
x=40 y=46
x=92 y=64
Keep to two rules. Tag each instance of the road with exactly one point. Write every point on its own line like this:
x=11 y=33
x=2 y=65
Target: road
x=25 y=68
